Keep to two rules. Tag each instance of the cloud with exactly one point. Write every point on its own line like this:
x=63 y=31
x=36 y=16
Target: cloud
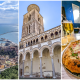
x=9 y=5
x=9 y=12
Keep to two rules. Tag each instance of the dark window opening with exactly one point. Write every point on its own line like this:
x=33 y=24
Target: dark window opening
x=60 y=31
x=52 y=35
x=33 y=41
x=29 y=18
x=46 y=37
x=42 y=39
x=56 y=33
x=29 y=28
x=28 y=43
x=36 y=40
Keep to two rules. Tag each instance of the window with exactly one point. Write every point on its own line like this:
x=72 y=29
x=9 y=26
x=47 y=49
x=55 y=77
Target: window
x=29 y=28
x=52 y=35
x=29 y=18
x=60 y=31
x=56 y=33
x=45 y=37
x=37 y=40
x=28 y=43
x=38 y=19
x=42 y=39
x=33 y=41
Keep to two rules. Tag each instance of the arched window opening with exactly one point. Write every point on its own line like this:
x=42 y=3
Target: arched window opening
x=52 y=35
x=42 y=39
x=29 y=28
x=31 y=42
x=60 y=31
x=45 y=37
x=37 y=40
x=29 y=18
x=28 y=43
x=56 y=33
x=34 y=41
x=38 y=19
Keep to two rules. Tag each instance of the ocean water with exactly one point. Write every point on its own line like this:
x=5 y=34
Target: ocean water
x=9 y=31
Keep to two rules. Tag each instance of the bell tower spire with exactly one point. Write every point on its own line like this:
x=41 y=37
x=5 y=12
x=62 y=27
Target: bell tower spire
x=32 y=22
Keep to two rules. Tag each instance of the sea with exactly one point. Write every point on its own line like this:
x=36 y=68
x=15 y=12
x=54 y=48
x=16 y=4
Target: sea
x=9 y=31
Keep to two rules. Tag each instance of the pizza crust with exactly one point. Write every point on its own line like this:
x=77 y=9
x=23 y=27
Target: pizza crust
x=70 y=62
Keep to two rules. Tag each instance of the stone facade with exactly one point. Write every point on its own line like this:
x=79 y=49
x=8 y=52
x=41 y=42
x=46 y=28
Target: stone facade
x=39 y=51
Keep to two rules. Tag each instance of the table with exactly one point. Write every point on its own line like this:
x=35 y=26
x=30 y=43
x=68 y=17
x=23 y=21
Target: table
x=65 y=74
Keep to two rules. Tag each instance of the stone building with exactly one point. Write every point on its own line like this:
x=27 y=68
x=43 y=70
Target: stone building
x=39 y=50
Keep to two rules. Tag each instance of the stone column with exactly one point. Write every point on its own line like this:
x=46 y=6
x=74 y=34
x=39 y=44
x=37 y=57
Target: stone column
x=41 y=67
x=54 y=76
x=31 y=68
x=23 y=69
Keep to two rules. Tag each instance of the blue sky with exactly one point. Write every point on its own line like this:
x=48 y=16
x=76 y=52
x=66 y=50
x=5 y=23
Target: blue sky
x=50 y=10
x=8 y=12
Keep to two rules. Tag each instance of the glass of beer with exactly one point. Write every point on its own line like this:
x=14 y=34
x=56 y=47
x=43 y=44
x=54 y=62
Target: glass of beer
x=68 y=27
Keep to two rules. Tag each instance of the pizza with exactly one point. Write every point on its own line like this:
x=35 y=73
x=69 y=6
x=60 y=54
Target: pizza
x=71 y=57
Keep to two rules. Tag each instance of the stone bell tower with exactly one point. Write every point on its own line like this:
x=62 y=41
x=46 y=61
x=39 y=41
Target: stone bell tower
x=32 y=22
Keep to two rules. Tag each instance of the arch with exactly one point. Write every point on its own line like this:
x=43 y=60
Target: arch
x=31 y=42
x=29 y=29
x=37 y=40
x=59 y=31
x=28 y=43
x=27 y=69
x=35 y=49
x=54 y=45
x=34 y=41
x=28 y=51
x=52 y=35
x=29 y=18
x=43 y=47
x=56 y=33
x=56 y=54
x=45 y=37
x=20 y=57
x=42 y=39
x=46 y=59
x=36 y=60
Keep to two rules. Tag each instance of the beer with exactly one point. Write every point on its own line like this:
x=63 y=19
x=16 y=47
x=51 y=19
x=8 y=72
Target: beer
x=68 y=27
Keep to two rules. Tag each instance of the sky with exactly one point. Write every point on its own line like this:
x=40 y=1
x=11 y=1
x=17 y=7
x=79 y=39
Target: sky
x=50 y=11
x=8 y=12
x=9 y=20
